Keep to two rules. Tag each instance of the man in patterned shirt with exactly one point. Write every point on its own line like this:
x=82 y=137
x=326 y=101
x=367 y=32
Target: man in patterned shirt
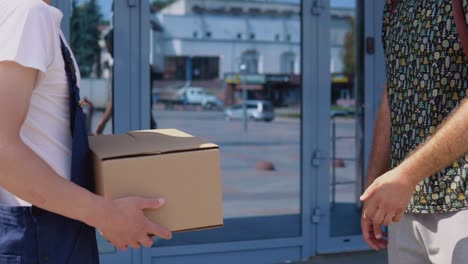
x=422 y=129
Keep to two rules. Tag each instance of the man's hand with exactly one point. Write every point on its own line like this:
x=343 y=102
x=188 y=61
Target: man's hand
x=373 y=234
x=378 y=165
x=387 y=198
x=123 y=223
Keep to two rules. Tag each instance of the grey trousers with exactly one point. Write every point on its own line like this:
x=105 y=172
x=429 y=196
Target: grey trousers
x=429 y=238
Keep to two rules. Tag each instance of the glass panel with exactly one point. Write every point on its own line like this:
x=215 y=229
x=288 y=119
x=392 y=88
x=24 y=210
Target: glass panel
x=345 y=162
x=91 y=39
x=207 y=57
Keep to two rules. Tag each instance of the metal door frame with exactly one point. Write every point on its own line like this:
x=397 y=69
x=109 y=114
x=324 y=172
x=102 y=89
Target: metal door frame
x=373 y=76
x=259 y=251
x=131 y=80
x=132 y=111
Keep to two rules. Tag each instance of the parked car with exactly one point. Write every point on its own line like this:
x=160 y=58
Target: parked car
x=199 y=96
x=256 y=110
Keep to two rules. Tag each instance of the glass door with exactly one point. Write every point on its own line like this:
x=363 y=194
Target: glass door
x=92 y=42
x=340 y=179
x=90 y=29
x=230 y=72
x=227 y=71
x=210 y=61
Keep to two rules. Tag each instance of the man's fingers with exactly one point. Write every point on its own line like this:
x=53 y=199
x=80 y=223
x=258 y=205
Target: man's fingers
x=384 y=234
x=368 y=234
x=144 y=203
x=157 y=230
x=388 y=219
x=372 y=243
x=378 y=236
x=370 y=212
x=378 y=217
x=398 y=216
x=376 y=244
x=369 y=191
x=382 y=243
x=374 y=214
x=377 y=231
x=372 y=233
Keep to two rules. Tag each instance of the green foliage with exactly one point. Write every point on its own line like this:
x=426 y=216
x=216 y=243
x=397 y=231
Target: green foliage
x=349 y=53
x=85 y=21
x=160 y=4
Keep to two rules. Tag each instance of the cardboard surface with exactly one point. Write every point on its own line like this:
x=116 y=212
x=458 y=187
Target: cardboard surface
x=169 y=163
x=146 y=142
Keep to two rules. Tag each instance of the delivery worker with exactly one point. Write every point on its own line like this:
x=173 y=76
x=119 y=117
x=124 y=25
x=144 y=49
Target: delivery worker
x=47 y=212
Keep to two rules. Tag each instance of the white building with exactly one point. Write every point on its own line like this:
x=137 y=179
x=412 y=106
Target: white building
x=225 y=34
x=203 y=40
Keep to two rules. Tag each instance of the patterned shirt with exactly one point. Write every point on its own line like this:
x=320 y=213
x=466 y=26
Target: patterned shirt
x=427 y=78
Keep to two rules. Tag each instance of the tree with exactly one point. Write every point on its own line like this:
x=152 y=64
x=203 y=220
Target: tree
x=85 y=34
x=157 y=5
x=349 y=49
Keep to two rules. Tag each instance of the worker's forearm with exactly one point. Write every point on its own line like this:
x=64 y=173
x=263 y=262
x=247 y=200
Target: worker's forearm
x=448 y=144
x=27 y=176
x=379 y=162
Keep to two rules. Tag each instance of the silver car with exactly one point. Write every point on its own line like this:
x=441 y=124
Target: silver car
x=256 y=110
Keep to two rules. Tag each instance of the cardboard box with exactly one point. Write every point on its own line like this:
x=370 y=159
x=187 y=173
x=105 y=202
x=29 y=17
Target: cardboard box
x=177 y=166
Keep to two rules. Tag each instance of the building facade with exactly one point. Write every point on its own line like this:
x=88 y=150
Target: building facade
x=203 y=40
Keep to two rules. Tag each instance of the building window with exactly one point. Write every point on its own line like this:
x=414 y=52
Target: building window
x=288 y=37
x=250 y=59
x=195 y=34
x=175 y=67
x=236 y=10
x=271 y=12
x=252 y=36
x=277 y=37
x=201 y=68
x=208 y=34
x=205 y=68
x=254 y=10
x=288 y=13
x=288 y=61
x=239 y=35
x=197 y=9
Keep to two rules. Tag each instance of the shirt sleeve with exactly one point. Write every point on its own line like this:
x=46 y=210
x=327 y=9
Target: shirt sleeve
x=26 y=36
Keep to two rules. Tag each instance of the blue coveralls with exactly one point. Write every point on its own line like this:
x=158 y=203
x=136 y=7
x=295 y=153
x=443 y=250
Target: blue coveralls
x=30 y=235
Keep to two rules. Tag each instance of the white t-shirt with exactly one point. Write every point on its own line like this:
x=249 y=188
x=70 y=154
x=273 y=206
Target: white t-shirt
x=30 y=36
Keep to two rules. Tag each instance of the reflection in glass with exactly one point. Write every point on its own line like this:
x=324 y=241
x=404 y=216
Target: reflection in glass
x=250 y=60
x=206 y=57
x=344 y=121
x=91 y=39
x=92 y=42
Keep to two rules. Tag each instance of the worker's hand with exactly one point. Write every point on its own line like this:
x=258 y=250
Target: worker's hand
x=123 y=223
x=372 y=233
x=387 y=197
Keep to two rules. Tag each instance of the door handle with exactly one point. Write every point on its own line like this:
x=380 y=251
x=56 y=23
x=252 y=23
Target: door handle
x=132 y=3
x=316 y=159
x=317 y=8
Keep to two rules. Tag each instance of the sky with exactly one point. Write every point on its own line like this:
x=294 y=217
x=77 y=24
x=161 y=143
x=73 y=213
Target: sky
x=106 y=4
